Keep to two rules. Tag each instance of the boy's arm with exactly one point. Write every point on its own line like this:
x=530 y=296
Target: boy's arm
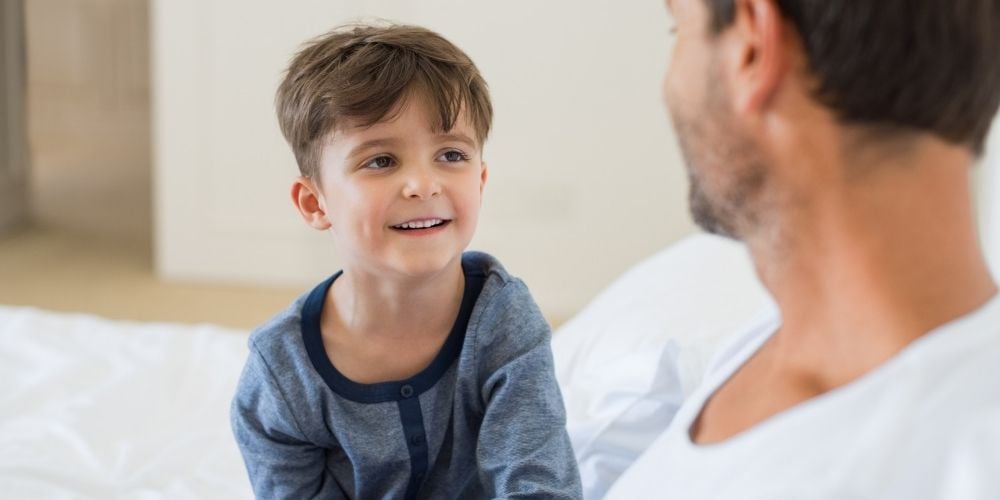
x=523 y=450
x=281 y=463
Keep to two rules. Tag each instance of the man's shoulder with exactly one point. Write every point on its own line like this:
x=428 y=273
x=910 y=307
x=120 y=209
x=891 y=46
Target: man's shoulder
x=959 y=360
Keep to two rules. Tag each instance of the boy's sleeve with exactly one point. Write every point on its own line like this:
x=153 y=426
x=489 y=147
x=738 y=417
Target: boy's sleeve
x=523 y=450
x=280 y=461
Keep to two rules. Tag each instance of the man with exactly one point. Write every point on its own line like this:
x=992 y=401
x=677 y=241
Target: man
x=835 y=138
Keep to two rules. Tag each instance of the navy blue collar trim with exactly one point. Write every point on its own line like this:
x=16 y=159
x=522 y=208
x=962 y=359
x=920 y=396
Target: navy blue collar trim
x=387 y=391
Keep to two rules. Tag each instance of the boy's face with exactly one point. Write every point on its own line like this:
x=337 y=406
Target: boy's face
x=399 y=197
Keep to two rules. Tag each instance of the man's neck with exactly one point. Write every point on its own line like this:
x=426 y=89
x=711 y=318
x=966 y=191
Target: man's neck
x=868 y=262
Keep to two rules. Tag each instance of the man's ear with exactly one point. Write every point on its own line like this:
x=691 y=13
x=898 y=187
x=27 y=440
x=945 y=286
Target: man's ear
x=483 y=175
x=308 y=199
x=758 y=53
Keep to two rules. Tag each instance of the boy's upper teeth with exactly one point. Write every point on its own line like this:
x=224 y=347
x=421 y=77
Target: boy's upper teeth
x=420 y=224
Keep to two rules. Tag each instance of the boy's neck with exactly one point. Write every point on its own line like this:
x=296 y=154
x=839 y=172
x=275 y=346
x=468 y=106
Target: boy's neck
x=362 y=304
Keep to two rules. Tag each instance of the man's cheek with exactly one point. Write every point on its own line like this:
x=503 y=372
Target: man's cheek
x=671 y=96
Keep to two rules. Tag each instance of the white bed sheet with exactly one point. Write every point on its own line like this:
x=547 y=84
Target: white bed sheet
x=93 y=408
x=628 y=360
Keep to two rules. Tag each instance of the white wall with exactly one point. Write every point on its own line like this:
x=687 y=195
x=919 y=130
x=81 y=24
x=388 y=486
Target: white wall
x=584 y=181
x=988 y=181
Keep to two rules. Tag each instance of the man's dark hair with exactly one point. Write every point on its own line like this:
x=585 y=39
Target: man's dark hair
x=898 y=65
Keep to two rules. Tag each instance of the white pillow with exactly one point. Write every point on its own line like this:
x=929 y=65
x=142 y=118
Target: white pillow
x=626 y=362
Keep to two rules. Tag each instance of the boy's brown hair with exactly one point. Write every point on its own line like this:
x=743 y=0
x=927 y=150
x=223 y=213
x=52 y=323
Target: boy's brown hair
x=357 y=75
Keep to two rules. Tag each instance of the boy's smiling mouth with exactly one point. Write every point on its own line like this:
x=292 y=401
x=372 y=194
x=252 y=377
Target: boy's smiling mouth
x=421 y=224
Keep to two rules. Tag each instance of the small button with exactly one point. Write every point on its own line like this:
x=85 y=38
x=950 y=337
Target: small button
x=416 y=440
x=406 y=391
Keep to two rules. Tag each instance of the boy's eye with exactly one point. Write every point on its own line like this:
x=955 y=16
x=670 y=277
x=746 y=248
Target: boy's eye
x=453 y=156
x=378 y=163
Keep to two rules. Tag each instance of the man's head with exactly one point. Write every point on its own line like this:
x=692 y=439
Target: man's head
x=886 y=71
x=361 y=74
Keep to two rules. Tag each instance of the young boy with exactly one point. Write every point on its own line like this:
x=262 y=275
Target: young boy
x=418 y=371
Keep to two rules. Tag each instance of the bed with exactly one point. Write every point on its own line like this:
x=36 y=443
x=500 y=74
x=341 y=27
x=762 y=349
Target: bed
x=94 y=408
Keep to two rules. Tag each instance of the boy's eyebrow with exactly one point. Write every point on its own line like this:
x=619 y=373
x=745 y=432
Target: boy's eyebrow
x=389 y=141
x=458 y=137
x=371 y=144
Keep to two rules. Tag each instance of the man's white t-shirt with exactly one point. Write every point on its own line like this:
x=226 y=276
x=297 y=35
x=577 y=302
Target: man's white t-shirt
x=924 y=425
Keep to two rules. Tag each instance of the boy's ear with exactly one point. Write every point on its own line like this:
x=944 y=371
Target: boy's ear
x=483 y=175
x=306 y=197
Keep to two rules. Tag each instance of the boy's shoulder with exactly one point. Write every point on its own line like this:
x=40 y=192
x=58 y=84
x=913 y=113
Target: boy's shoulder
x=500 y=288
x=476 y=263
x=505 y=312
x=282 y=332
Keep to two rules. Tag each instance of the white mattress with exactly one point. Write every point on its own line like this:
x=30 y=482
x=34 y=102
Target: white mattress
x=93 y=408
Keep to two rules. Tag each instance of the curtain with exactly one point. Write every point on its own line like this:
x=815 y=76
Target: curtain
x=13 y=159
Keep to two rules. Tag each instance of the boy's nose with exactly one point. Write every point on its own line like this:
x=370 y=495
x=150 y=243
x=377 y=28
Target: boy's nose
x=421 y=183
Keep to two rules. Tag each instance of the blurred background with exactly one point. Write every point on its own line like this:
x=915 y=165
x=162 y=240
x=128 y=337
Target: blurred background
x=143 y=176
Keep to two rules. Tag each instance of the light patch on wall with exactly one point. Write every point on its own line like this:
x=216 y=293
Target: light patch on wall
x=988 y=180
x=585 y=178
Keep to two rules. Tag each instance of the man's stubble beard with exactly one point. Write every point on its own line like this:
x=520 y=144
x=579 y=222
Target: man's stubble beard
x=724 y=167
